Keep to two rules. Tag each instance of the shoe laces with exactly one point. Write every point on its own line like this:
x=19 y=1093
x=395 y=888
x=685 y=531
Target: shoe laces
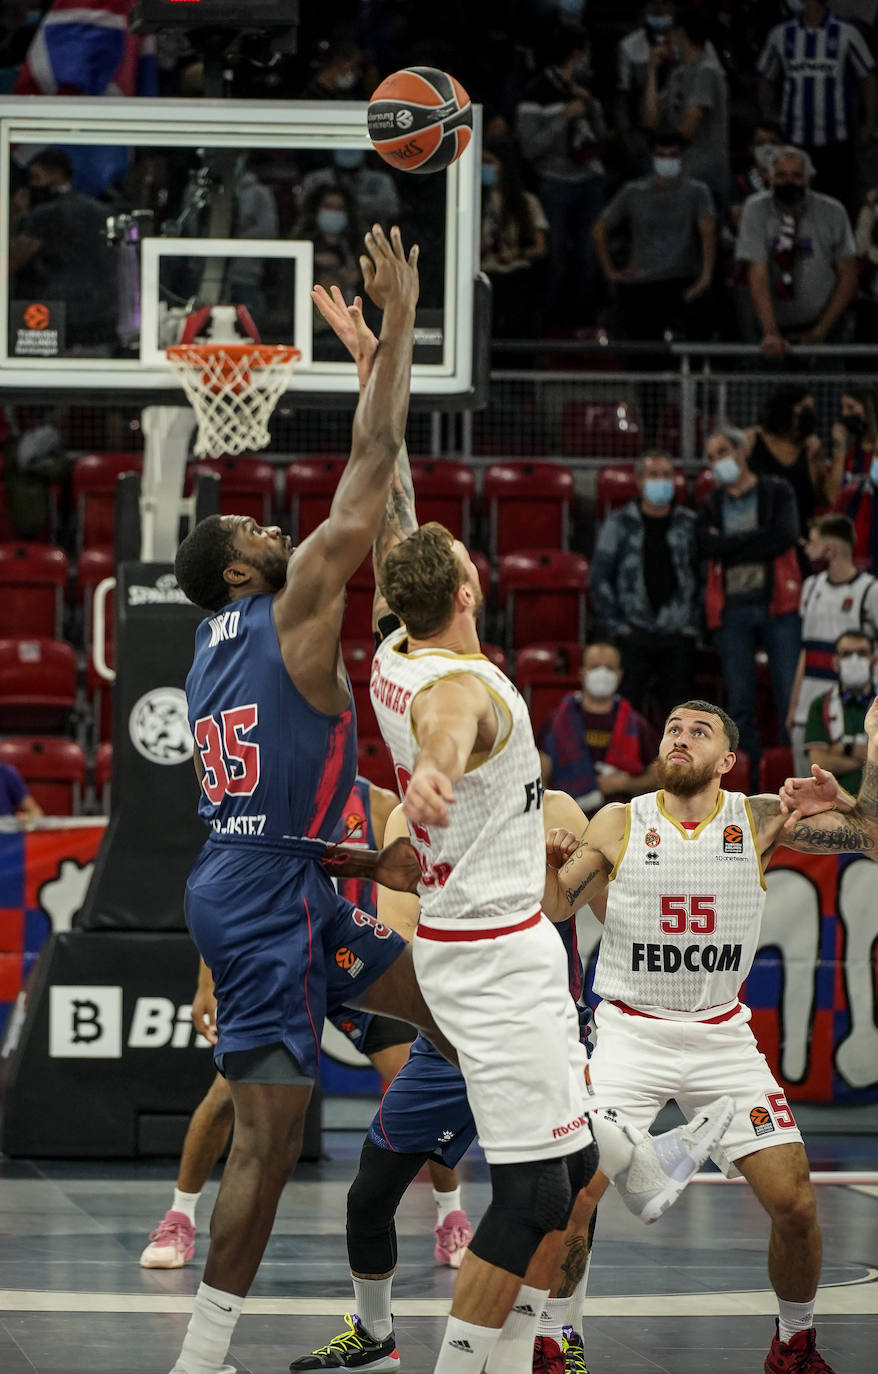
x=574 y=1357
x=170 y=1230
x=346 y=1340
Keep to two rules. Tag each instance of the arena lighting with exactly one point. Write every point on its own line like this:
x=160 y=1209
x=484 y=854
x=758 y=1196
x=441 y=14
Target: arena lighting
x=149 y=16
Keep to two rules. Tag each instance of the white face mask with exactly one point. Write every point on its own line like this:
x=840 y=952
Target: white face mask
x=601 y=682
x=854 y=672
x=667 y=167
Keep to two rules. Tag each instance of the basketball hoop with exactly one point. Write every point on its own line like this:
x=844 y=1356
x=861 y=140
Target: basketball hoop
x=233 y=389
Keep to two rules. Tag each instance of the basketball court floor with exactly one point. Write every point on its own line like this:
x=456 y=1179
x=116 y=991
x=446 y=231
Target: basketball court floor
x=686 y=1296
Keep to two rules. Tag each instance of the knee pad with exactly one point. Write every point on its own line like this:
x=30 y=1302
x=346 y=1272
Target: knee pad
x=527 y=1202
x=373 y=1198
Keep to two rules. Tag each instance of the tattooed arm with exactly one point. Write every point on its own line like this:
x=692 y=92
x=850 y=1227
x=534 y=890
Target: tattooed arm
x=587 y=872
x=398 y=522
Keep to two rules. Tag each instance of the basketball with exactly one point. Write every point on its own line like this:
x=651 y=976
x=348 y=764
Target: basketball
x=420 y=119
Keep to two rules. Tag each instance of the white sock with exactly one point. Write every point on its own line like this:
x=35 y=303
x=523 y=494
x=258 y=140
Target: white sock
x=372 y=1301
x=561 y=1312
x=514 y=1352
x=616 y=1146
x=445 y=1203
x=793 y=1317
x=185 y=1203
x=465 y=1347
x=209 y=1333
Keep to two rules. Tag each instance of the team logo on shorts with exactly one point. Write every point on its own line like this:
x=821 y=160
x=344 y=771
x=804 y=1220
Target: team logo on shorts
x=350 y=1028
x=652 y=839
x=354 y=824
x=760 y=1119
x=346 y=959
x=733 y=840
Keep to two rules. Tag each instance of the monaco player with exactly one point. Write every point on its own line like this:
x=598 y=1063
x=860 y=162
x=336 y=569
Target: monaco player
x=488 y=963
x=686 y=890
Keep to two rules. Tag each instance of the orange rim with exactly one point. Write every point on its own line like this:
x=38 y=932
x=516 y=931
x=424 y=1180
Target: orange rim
x=258 y=355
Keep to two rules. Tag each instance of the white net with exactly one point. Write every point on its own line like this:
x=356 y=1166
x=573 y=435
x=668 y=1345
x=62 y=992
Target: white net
x=233 y=389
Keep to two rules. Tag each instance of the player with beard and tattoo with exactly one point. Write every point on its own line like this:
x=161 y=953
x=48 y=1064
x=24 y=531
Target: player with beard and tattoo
x=682 y=868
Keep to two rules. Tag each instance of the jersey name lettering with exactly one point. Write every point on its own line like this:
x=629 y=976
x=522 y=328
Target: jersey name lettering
x=390 y=694
x=651 y=958
x=224 y=626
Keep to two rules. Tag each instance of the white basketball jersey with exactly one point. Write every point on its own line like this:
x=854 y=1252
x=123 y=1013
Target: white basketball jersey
x=490 y=862
x=683 y=910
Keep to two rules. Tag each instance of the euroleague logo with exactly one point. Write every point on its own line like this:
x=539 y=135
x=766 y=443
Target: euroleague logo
x=404 y=118
x=760 y=1120
x=733 y=840
x=37 y=316
x=347 y=960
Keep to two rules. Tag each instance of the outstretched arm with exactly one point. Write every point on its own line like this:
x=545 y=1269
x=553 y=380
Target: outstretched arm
x=322 y=564
x=450 y=721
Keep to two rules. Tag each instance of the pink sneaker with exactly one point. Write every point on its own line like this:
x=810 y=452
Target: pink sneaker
x=452 y=1238
x=172 y=1243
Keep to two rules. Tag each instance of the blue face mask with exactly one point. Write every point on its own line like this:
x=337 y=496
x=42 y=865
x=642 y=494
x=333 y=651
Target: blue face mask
x=349 y=158
x=489 y=174
x=658 y=491
x=572 y=7
x=332 y=221
x=659 y=23
x=726 y=470
x=667 y=167
x=873 y=472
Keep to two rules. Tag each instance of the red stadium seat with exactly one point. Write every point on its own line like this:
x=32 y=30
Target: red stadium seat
x=775 y=766
x=544 y=673
x=705 y=483
x=37 y=684
x=543 y=592
x=357 y=623
x=310 y=486
x=103 y=775
x=600 y=429
x=54 y=770
x=738 y=777
x=374 y=762
x=444 y=491
x=616 y=486
x=94 y=478
x=33 y=580
x=358 y=654
x=246 y=486
x=496 y=655
x=529 y=506
x=92 y=567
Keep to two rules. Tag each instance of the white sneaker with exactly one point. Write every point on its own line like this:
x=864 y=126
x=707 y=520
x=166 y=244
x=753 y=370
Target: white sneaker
x=662 y=1165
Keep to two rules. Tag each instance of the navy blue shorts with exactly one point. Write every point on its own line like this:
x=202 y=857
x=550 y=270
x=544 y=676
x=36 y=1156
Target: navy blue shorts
x=284 y=948
x=426 y=1110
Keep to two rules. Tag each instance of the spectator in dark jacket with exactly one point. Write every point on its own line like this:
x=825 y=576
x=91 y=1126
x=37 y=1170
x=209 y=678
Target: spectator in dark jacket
x=749 y=529
x=646 y=589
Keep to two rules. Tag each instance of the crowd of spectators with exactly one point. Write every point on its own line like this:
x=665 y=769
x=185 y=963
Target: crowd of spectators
x=694 y=170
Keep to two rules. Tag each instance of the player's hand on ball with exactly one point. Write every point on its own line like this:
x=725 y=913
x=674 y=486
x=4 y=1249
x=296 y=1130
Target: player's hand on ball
x=800 y=797
x=560 y=845
x=428 y=797
x=387 y=273
x=348 y=323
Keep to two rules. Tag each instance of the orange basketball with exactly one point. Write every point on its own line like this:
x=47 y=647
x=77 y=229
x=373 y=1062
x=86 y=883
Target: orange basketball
x=420 y=119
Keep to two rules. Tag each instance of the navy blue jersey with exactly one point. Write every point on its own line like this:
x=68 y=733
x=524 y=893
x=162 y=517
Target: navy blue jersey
x=274 y=766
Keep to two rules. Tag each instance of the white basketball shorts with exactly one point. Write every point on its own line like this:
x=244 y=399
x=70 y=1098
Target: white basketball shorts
x=639 y=1063
x=500 y=993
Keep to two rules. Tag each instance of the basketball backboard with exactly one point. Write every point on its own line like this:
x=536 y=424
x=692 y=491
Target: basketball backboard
x=212 y=201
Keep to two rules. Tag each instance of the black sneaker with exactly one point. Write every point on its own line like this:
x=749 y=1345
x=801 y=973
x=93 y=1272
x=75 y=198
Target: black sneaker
x=353 y=1349
x=574 y=1354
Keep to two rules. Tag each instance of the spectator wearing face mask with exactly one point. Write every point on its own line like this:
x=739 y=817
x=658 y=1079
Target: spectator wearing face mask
x=827 y=70
x=596 y=746
x=786 y=444
x=694 y=101
x=373 y=190
x=834 y=734
x=255 y=218
x=835 y=597
x=672 y=247
x=61 y=253
x=748 y=531
x=645 y=587
x=633 y=56
x=514 y=231
x=337 y=74
x=765 y=140
x=801 y=261
x=561 y=131
x=329 y=220
x=857 y=497
x=854 y=439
